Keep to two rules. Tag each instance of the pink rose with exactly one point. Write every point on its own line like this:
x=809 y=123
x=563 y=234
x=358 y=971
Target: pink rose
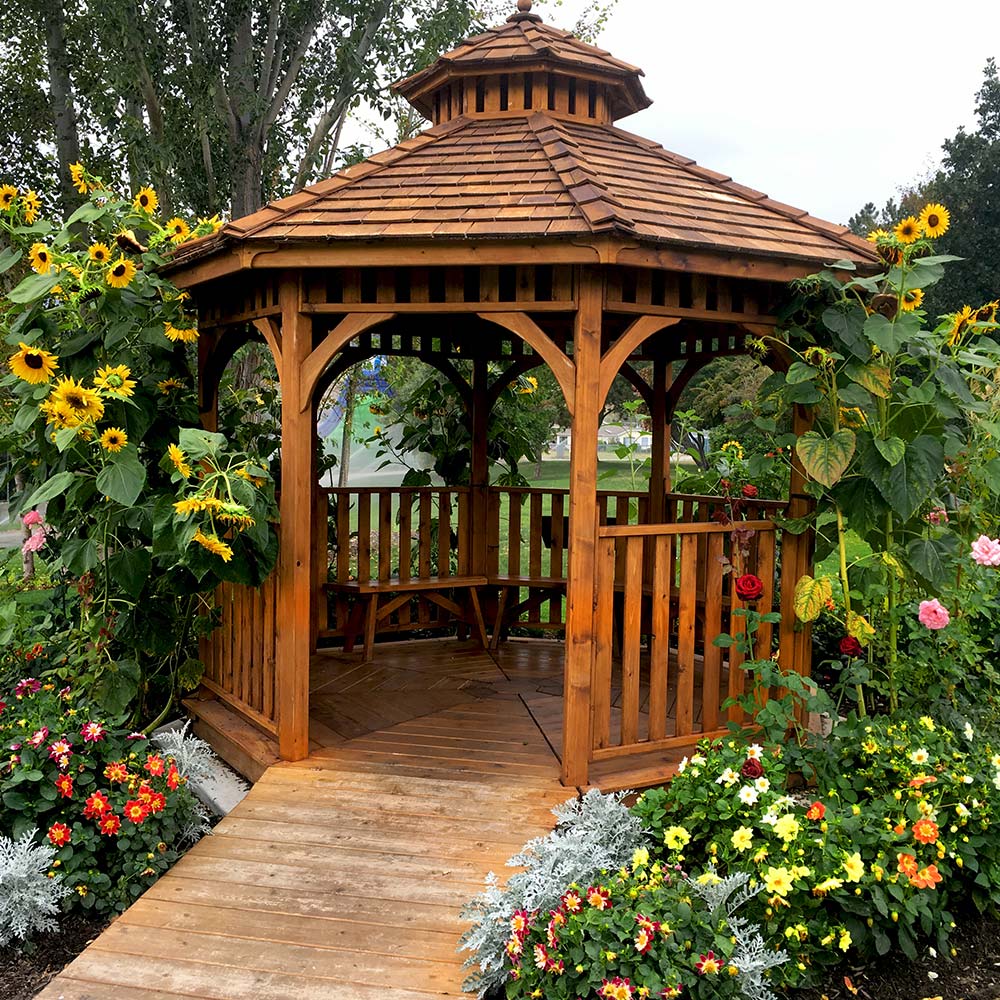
x=933 y=614
x=34 y=543
x=32 y=517
x=986 y=551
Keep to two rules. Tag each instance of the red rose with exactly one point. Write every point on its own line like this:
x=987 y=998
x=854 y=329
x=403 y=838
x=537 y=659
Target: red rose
x=849 y=646
x=749 y=587
x=750 y=491
x=752 y=768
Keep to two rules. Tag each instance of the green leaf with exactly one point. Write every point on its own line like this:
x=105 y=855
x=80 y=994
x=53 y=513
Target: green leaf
x=875 y=378
x=79 y=555
x=826 y=459
x=122 y=479
x=883 y=334
x=892 y=450
x=933 y=558
x=88 y=212
x=15 y=801
x=8 y=258
x=908 y=484
x=811 y=597
x=847 y=321
x=130 y=570
x=64 y=437
x=117 y=686
x=800 y=372
x=24 y=418
x=198 y=443
x=34 y=287
x=50 y=489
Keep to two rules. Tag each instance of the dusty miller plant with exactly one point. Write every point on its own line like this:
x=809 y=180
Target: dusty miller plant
x=593 y=834
x=751 y=956
x=193 y=756
x=29 y=899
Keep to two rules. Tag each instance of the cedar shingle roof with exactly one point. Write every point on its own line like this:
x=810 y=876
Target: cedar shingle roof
x=525 y=40
x=538 y=177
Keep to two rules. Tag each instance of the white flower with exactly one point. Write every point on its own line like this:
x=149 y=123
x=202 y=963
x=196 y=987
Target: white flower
x=969 y=731
x=762 y=784
x=920 y=756
x=770 y=817
x=995 y=760
x=996 y=780
x=748 y=795
x=967 y=779
x=783 y=802
x=682 y=766
x=755 y=752
x=961 y=810
x=728 y=778
x=699 y=759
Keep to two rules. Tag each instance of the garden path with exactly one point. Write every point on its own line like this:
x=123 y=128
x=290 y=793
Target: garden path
x=341 y=876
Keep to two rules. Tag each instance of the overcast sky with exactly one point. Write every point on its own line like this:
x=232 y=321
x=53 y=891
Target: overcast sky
x=823 y=106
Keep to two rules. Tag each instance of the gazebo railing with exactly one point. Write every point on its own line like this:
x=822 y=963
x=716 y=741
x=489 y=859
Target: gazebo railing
x=665 y=584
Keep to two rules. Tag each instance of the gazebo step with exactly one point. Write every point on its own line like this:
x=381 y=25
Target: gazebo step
x=241 y=745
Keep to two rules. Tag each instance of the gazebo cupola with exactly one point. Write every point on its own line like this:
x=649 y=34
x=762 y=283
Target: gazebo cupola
x=524 y=66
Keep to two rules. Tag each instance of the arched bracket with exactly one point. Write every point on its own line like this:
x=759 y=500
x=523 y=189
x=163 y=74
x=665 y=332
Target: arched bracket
x=641 y=386
x=513 y=371
x=341 y=335
x=532 y=334
x=779 y=355
x=615 y=356
x=270 y=329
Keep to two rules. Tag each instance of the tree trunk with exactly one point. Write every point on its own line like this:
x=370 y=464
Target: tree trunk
x=347 y=432
x=61 y=100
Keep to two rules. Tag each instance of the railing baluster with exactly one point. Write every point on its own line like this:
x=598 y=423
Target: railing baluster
x=364 y=536
x=687 y=608
x=631 y=640
x=603 y=643
x=659 y=647
x=712 y=657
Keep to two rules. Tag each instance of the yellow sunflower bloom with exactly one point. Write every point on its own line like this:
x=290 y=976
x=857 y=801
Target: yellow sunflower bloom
x=7 y=195
x=32 y=364
x=120 y=273
x=115 y=381
x=911 y=299
x=57 y=414
x=76 y=171
x=32 y=206
x=959 y=324
x=146 y=201
x=82 y=404
x=735 y=447
x=908 y=231
x=114 y=439
x=169 y=385
x=214 y=545
x=876 y=234
x=180 y=464
x=179 y=230
x=100 y=253
x=40 y=258
x=186 y=336
x=935 y=220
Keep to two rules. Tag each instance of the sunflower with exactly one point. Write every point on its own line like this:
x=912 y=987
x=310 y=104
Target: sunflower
x=40 y=258
x=100 y=253
x=169 y=385
x=114 y=381
x=934 y=220
x=76 y=171
x=32 y=364
x=911 y=299
x=180 y=461
x=214 y=545
x=908 y=231
x=179 y=230
x=960 y=323
x=7 y=195
x=121 y=272
x=146 y=201
x=114 y=439
x=988 y=312
x=875 y=235
x=57 y=414
x=82 y=404
x=32 y=205
x=187 y=336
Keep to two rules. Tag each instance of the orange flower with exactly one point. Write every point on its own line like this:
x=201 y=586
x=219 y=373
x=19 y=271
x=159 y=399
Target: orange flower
x=59 y=834
x=816 y=811
x=922 y=779
x=926 y=831
x=135 y=811
x=173 y=777
x=155 y=765
x=116 y=771
x=599 y=898
x=926 y=878
x=907 y=864
x=109 y=824
x=899 y=828
x=65 y=785
x=96 y=806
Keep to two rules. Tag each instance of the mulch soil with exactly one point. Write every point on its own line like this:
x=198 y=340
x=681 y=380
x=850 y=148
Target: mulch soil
x=26 y=970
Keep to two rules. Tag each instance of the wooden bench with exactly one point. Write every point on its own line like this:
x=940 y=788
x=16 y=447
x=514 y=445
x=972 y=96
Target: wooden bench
x=540 y=589
x=368 y=611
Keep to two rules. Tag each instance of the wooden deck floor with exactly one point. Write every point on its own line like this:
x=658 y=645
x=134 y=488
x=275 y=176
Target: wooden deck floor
x=342 y=876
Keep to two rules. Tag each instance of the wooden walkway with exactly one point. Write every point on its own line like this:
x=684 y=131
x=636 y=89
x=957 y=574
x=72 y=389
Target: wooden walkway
x=341 y=876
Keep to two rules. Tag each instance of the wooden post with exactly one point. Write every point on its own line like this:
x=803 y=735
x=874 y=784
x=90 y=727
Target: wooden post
x=295 y=577
x=208 y=386
x=581 y=578
x=479 y=468
x=659 y=463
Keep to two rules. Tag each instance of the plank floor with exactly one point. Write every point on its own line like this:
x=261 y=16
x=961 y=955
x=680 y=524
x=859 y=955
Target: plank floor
x=342 y=876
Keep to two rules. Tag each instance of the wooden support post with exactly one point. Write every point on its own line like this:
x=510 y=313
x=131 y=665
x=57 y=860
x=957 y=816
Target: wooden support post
x=479 y=468
x=581 y=578
x=295 y=576
x=659 y=463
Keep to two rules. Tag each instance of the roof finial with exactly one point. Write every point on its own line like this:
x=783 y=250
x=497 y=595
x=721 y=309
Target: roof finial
x=524 y=12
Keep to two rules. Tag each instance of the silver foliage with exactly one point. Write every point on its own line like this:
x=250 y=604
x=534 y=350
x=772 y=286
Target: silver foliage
x=193 y=756
x=593 y=834
x=751 y=956
x=29 y=899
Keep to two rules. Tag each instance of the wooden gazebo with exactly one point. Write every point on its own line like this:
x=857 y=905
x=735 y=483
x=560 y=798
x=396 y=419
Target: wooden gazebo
x=524 y=228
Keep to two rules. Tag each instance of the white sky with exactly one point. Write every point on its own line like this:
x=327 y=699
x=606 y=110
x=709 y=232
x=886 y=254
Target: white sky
x=819 y=105
x=824 y=106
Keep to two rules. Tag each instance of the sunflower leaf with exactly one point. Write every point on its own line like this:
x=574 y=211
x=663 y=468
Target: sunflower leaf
x=50 y=489
x=34 y=287
x=8 y=258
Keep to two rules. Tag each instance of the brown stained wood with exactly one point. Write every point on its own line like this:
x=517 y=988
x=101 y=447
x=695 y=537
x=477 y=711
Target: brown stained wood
x=660 y=640
x=385 y=532
x=686 y=612
x=364 y=563
x=737 y=627
x=631 y=640
x=712 y=656
x=444 y=533
x=603 y=642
